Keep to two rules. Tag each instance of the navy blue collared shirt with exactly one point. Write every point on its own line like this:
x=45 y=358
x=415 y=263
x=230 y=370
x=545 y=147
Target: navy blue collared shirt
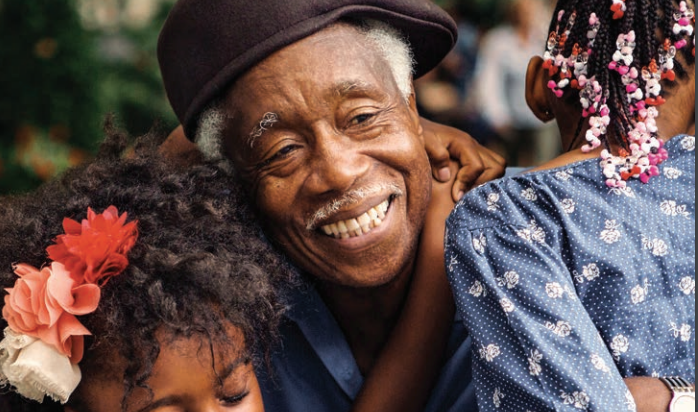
x=314 y=369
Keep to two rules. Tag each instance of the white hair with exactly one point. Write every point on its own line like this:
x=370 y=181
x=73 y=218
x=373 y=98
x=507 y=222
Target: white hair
x=209 y=133
x=387 y=40
x=396 y=51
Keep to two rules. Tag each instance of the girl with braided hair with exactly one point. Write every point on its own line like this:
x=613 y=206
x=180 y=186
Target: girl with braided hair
x=132 y=286
x=577 y=279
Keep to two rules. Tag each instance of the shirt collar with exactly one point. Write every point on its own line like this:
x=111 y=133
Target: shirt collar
x=324 y=335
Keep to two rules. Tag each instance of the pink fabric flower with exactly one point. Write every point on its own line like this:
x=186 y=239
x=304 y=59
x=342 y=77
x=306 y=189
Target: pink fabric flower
x=95 y=250
x=43 y=304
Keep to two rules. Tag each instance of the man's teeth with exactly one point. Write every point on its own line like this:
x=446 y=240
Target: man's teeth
x=359 y=225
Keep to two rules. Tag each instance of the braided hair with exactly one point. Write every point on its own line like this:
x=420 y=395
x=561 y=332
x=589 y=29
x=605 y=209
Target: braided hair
x=610 y=53
x=199 y=258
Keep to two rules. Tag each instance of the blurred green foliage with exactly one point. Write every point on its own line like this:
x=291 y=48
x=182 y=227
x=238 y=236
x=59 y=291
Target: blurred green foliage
x=132 y=87
x=50 y=75
x=58 y=82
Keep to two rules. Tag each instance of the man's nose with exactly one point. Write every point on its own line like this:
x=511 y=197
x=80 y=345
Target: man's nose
x=337 y=162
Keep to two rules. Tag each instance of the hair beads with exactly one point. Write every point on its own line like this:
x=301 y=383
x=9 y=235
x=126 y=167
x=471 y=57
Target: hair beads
x=618 y=8
x=617 y=88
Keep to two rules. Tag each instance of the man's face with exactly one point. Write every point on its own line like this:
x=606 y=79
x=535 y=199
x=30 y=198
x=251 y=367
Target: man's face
x=333 y=156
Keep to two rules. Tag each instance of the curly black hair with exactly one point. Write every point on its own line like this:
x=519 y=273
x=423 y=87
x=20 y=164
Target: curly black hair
x=199 y=255
x=652 y=21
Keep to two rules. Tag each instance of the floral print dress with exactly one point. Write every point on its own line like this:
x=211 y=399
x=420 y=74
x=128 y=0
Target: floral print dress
x=567 y=286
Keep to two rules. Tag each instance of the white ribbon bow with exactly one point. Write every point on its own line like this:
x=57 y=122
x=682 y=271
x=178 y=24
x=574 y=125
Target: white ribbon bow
x=36 y=370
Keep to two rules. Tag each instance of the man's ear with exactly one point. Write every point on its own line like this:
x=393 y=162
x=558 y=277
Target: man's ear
x=412 y=103
x=537 y=90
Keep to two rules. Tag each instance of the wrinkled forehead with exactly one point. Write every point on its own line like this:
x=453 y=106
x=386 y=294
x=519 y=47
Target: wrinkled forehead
x=331 y=62
x=339 y=51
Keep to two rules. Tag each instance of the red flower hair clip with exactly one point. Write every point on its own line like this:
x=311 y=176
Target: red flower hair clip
x=95 y=250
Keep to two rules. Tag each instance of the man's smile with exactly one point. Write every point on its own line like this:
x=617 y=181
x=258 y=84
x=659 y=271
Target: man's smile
x=359 y=225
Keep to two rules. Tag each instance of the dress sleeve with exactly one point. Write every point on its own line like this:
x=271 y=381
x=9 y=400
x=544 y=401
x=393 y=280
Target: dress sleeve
x=535 y=347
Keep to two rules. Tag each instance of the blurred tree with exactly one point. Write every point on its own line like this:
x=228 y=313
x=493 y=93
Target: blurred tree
x=50 y=76
x=487 y=13
x=132 y=86
x=59 y=79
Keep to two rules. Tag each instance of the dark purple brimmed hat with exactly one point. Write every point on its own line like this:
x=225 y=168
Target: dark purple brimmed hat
x=206 y=44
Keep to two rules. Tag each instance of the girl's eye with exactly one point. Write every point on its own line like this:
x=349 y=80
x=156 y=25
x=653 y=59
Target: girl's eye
x=234 y=400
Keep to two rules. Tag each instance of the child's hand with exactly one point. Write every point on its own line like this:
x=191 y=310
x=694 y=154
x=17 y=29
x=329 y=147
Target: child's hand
x=478 y=164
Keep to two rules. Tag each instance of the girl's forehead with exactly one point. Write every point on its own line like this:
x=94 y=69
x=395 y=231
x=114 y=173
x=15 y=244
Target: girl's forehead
x=186 y=366
x=228 y=342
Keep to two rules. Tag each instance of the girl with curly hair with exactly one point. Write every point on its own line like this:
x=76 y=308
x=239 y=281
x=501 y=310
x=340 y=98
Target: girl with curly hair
x=577 y=279
x=132 y=286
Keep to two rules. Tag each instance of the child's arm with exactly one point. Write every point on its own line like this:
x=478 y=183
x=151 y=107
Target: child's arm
x=651 y=394
x=409 y=365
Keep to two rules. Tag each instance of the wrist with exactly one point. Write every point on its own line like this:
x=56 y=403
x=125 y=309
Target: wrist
x=683 y=394
x=650 y=394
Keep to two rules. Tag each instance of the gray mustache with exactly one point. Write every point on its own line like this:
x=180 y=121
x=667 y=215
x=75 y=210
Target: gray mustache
x=351 y=198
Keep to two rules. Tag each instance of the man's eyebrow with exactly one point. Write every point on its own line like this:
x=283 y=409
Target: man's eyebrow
x=267 y=121
x=348 y=87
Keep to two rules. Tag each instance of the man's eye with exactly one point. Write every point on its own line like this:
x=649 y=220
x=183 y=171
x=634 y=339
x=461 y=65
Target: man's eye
x=362 y=118
x=284 y=151
x=279 y=155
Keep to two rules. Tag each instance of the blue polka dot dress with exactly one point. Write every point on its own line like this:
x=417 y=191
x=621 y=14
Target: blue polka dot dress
x=567 y=286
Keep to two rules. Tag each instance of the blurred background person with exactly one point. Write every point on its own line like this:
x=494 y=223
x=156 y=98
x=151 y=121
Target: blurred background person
x=444 y=93
x=500 y=84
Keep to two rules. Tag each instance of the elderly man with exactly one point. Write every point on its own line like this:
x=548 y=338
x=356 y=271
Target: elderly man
x=313 y=103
